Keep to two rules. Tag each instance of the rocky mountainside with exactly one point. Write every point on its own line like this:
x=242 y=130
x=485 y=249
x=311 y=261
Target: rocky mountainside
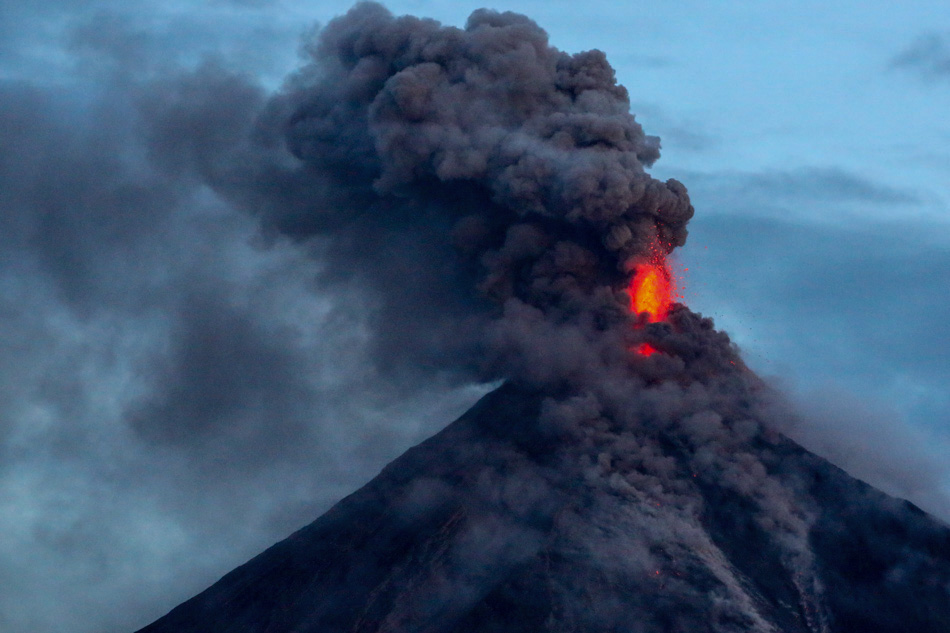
x=507 y=521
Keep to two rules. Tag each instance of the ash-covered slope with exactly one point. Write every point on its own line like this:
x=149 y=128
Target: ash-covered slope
x=505 y=522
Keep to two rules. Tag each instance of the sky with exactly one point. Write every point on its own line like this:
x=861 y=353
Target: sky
x=181 y=389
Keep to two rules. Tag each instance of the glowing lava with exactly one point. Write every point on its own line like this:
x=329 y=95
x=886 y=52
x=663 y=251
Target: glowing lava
x=652 y=289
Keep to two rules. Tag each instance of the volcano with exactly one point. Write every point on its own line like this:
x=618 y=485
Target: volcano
x=518 y=518
x=627 y=476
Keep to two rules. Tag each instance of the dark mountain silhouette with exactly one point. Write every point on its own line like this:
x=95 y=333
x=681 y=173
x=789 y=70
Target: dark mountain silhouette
x=499 y=524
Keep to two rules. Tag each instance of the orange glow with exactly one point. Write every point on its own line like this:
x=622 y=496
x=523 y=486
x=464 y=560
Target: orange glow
x=652 y=289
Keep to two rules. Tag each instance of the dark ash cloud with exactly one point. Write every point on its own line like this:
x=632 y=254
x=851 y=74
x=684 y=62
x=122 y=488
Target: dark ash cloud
x=525 y=157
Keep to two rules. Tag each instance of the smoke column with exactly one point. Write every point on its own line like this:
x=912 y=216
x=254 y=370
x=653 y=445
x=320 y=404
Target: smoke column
x=490 y=191
x=487 y=197
x=474 y=178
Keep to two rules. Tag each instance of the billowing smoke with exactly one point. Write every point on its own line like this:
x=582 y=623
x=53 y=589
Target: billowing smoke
x=491 y=193
x=469 y=177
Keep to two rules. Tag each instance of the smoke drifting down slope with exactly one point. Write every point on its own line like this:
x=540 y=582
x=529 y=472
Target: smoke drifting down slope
x=491 y=191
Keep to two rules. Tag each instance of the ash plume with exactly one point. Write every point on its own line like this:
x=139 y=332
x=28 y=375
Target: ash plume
x=469 y=177
x=491 y=193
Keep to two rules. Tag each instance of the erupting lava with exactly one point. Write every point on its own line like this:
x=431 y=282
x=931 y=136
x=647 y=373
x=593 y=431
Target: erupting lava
x=652 y=290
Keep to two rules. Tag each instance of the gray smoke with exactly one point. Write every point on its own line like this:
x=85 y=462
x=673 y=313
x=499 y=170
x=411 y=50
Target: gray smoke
x=490 y=192
x=466 y=176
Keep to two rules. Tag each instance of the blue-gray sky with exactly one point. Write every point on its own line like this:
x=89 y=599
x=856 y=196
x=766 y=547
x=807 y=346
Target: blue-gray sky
x=811 y=136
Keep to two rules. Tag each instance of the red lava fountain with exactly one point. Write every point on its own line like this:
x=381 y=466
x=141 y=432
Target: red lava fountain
x=652 y=290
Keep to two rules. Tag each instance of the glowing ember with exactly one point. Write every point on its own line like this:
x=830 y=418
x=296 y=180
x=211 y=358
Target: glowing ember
x=646 y=349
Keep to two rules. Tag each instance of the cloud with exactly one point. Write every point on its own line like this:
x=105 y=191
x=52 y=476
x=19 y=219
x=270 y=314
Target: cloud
x=927 y=57
x=872 y=287
x=677 y=133
x=178 y=392
x=223 y=385
x=854 y=314
x=185 y=394
x=825 y=184
x=871 y=441
x=798 y=186
x=653 y=62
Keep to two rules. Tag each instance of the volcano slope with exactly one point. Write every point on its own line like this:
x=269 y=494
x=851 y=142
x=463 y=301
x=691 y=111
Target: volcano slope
x=539 y=510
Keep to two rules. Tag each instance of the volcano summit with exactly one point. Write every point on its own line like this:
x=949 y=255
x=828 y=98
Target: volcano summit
x=492 y=192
